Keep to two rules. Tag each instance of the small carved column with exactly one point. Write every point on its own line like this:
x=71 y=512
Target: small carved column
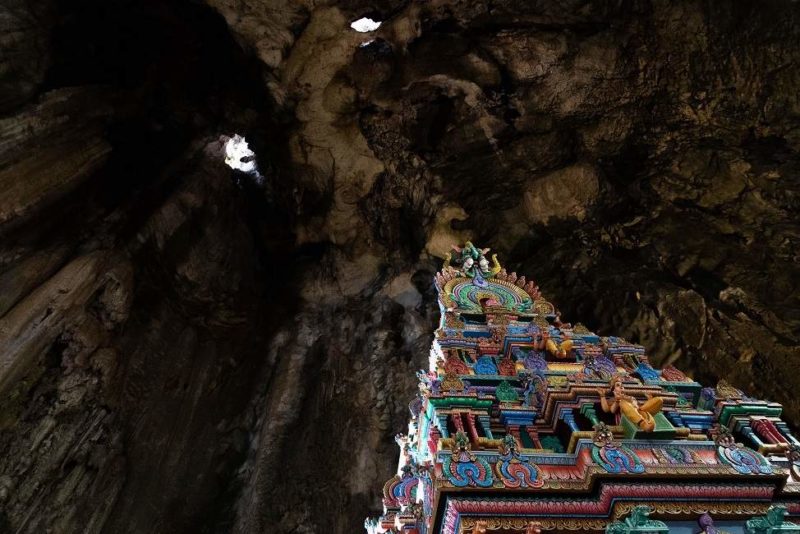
x=568 y=416
x=766 y=429
x=784 y=430
x=590 y=413
x=443 y=424
x=473 y=431
x=747 y=431
x=534 y=435
x=486 y=425
x=433 y=439
x=458 y=422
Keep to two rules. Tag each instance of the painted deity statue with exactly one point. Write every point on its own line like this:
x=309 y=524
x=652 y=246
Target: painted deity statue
x=468 y=256
x=706 y=523
x=640 y=415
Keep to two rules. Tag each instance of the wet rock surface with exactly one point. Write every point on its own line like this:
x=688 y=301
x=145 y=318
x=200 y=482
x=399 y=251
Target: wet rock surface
x=187 y=348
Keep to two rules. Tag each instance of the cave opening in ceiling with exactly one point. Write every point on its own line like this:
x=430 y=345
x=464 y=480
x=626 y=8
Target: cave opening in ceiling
x=365 y=25
x=239 y=157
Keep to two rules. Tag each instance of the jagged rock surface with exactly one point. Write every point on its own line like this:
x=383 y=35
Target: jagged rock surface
x=184 y=348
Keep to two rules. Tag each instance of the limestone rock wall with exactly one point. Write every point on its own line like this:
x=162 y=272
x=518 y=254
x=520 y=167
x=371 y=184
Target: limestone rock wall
x=185 y=348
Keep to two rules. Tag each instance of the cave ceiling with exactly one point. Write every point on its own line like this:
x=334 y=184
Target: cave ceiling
x=190 y=348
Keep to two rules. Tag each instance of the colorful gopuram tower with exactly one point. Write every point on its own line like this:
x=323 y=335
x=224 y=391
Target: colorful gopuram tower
x=525 y=423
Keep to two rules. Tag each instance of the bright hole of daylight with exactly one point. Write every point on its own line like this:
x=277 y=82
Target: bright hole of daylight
x=238 y=154
x=365 y=24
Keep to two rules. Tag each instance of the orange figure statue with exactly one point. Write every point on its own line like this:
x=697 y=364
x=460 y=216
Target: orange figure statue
x=641 y=416
x=559 y=351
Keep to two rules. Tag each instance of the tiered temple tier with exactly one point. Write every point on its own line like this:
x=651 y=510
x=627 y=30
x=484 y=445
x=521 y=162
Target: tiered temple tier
x=526 y=423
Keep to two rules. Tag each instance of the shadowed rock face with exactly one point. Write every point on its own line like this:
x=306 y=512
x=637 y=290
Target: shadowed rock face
x=186 y=348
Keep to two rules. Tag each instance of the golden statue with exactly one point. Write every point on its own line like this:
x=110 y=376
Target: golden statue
x=559 y=351
x=641 y=416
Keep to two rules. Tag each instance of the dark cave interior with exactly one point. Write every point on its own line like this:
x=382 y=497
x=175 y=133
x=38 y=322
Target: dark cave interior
x=184 y=348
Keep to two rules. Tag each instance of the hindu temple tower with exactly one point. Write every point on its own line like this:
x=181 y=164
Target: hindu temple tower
x=526 y=423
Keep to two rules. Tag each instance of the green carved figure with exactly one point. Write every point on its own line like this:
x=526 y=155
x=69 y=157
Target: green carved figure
x=638 y=523
x=474 y=263
x=773 y=522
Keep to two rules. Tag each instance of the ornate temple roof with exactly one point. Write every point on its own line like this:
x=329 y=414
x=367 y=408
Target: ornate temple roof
x=526 y=423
